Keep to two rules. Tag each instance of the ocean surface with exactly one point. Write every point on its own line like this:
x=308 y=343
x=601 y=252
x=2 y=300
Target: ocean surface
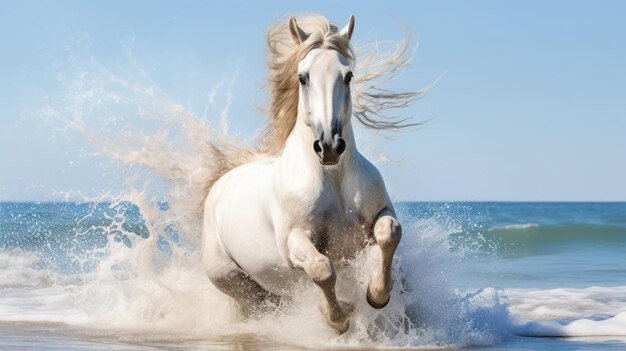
x=489 y=275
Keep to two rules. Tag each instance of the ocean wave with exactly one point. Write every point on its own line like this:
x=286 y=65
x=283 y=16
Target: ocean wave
x=17 y=269
x=584 y=327
x=517 y=226
x=567 y=303
x=567 y=312
x=532 y=234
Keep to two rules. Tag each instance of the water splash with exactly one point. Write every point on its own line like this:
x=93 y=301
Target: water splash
x=148 y=275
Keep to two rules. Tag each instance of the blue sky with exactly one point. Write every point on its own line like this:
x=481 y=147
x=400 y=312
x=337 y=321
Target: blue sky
x=532 y=105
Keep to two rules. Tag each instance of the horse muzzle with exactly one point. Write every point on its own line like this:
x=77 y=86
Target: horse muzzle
x=330 y=152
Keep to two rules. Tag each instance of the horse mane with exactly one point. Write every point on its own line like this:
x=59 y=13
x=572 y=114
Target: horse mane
x=380 y=64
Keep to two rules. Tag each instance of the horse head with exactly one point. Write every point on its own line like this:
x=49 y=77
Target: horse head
x=325 y=102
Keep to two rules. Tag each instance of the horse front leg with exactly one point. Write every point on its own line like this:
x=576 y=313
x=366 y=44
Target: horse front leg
x=387 y=232
x=304 y=255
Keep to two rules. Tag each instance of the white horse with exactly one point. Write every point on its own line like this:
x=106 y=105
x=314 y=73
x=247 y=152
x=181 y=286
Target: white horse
x=306 y=197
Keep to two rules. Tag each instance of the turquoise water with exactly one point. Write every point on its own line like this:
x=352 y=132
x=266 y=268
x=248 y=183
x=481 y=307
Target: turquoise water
x=538 y=245
x=509 y=271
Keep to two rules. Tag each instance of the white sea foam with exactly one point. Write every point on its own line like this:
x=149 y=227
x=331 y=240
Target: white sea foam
x=594 y=311
x=34 y=294
x=16 y=269
x=567 y=303
x=613 y=326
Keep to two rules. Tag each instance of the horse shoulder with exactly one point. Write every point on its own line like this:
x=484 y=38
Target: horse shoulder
x=298 y=189
x=367 y=190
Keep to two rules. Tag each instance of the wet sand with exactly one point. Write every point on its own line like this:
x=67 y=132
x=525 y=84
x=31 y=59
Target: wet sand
x=52 y=337
x=49 y=337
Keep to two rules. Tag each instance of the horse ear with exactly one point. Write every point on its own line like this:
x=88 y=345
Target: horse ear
x=348 y=29
x=297 y=33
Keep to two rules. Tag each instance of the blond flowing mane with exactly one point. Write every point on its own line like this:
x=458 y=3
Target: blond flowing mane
x=380 y=63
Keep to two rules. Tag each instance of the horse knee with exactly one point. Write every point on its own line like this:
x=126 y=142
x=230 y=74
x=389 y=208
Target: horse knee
x=321 y=271
x=387 y=231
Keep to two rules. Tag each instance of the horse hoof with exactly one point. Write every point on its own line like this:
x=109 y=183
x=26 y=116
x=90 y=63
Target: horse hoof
x=340 y=325
x=373 y=303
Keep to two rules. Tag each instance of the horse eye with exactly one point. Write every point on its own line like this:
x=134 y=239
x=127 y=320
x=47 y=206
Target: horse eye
x=348 y=78
x=301 y=79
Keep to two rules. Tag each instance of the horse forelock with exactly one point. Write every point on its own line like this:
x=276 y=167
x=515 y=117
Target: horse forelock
x=283 y=57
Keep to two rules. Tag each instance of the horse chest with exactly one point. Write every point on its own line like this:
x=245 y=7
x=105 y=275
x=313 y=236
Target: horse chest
x=340 y=228
x=338 y=211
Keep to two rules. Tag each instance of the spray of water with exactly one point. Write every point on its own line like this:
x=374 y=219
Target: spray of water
x=151 y=279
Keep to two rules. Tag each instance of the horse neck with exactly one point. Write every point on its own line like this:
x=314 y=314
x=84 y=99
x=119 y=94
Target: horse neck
x=299 y=150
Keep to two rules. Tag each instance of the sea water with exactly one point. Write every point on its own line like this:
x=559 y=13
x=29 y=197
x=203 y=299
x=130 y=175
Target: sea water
x=106 y=275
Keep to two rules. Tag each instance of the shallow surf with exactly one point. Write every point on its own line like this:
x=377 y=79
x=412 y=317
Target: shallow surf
x=101 y=275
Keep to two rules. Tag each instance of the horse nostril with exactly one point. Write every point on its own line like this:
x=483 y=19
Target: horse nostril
x=341 y=146
x=317 y=146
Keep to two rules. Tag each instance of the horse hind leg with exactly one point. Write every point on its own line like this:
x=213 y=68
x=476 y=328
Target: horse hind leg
x=226 y=275
x=249 y=295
